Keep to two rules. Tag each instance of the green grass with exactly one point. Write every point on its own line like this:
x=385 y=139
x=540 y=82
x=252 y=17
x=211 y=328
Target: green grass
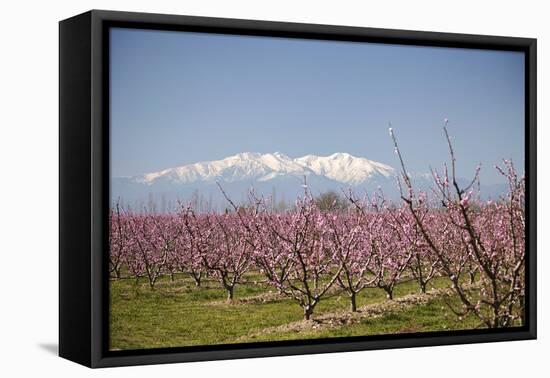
x=179 y=314
x=433 y=316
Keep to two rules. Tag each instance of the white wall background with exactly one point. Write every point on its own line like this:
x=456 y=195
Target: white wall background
x=29 y=185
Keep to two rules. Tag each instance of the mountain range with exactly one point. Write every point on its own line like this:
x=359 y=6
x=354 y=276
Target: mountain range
x=274 y=174
x=340 y=167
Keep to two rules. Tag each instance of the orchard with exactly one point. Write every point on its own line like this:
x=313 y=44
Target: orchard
x=308 y=254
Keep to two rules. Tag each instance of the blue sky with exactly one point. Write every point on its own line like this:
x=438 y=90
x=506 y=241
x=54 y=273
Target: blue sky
x=178 y=98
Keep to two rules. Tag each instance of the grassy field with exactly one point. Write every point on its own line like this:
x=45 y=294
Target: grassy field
x=177 y=313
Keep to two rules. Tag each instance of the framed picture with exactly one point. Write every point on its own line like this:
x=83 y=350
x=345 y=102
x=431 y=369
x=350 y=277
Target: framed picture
x=234 y=188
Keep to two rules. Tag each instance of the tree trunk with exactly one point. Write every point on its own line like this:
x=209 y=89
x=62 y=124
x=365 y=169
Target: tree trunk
x=308 y=311
x=197 y=277
x=353 y=304
x=152 y=281
x=230 y=294
x=423 y=287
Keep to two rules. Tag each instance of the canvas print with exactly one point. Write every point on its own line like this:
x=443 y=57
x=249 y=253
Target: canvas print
x=270 y=189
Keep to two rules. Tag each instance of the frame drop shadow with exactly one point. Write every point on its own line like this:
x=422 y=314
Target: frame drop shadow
x=52 y=348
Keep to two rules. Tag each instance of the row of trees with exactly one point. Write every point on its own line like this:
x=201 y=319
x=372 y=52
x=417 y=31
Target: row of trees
x=313 y=250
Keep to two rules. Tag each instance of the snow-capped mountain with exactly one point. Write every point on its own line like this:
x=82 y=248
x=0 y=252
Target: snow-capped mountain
x=345 y=168
x=340 y=167
x=273 y=174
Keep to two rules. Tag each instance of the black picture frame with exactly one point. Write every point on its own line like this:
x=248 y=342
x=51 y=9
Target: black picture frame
x=84 y=186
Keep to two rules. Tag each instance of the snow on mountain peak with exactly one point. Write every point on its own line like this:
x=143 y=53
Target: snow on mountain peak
x=345 y=168
x=341 y=167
